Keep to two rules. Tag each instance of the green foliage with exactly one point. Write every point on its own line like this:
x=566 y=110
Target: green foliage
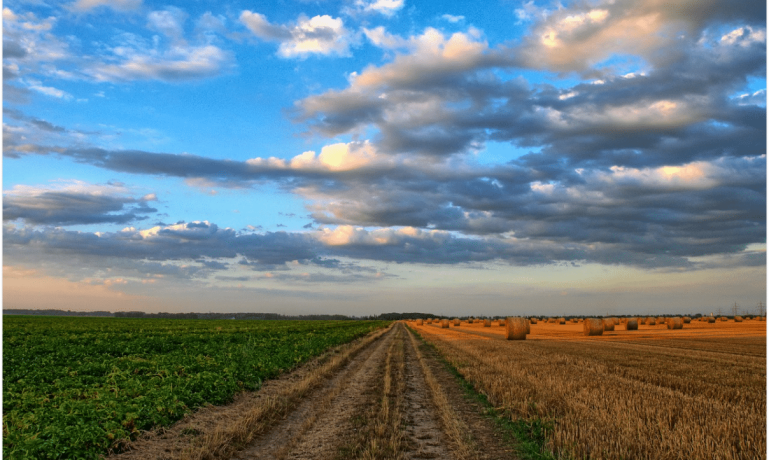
x=76 y=387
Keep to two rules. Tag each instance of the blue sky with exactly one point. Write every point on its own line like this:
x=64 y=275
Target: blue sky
x=384 y=155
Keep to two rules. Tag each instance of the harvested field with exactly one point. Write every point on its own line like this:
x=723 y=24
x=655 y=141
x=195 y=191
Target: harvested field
x=656 y=393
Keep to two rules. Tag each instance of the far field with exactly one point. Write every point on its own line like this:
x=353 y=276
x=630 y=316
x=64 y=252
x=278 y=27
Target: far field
x=695 y=393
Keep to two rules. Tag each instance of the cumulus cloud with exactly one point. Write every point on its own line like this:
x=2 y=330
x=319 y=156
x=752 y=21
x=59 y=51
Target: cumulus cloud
x=323 y=35
x=582 y=35
x=334 y=157
x=658 y=165
x=441 y=96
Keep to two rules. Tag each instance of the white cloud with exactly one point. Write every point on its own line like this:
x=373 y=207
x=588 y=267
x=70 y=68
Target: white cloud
x=381 y=38
x=744 y=36
x=322 y=35
x=385 y=7
x=169 y=22
x=453 y=19
x=334 y=157
x=49 y=91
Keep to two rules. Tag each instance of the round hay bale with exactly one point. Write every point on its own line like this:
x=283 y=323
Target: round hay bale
x=470 y=321
x=533 y=320
x=710 y=319
x=651 y=321
x=515 y=328
x=632 y=324
x=592 y=326
x=419 y=322
x=660 y=320
x=687 y=320
x=723 y=318
x=561 y=320
x=738 y=319
x=528 y=326
x=486 y=323
x=616 y=321
x=675 y=323
x=574 y=320
x=444 y=324
x=502 y=322
x=457 y=322
x=608 y=324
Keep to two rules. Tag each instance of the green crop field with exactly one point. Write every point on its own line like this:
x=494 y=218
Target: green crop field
x=76 y=387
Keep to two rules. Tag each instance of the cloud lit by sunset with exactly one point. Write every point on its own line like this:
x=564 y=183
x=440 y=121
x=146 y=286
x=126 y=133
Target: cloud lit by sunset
x=352 y=157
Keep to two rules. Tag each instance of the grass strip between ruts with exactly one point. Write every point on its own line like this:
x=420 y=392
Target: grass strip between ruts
x=527 y=437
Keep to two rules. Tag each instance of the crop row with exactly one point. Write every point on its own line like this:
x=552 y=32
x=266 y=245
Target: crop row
x=77 y=387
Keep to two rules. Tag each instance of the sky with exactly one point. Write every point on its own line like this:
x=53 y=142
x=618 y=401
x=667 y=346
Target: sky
x=367 y=156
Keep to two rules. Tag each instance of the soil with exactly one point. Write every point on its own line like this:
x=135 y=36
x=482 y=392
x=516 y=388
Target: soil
x=338 y=418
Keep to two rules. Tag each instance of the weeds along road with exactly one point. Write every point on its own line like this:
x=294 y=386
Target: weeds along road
x=384 y=396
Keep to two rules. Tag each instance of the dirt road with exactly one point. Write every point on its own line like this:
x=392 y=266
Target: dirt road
x=385 y=396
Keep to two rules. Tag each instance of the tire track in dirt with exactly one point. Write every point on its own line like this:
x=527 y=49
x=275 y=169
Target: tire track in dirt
x=424 y=433
x=323 y=420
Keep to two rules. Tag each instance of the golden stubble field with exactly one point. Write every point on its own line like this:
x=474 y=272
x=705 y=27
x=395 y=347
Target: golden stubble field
x=654 y=393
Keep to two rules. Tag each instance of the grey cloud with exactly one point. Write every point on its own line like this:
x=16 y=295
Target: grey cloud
x=12 y=49
x=37 y=122
x=639 y=219
x=74 y=208
x=578 y=37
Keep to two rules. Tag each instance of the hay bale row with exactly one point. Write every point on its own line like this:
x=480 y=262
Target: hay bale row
x=650 y=321
x=516 y=328
x=675 y=323
x=592 y=326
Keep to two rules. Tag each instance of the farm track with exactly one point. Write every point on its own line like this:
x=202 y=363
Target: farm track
x=389 y=397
